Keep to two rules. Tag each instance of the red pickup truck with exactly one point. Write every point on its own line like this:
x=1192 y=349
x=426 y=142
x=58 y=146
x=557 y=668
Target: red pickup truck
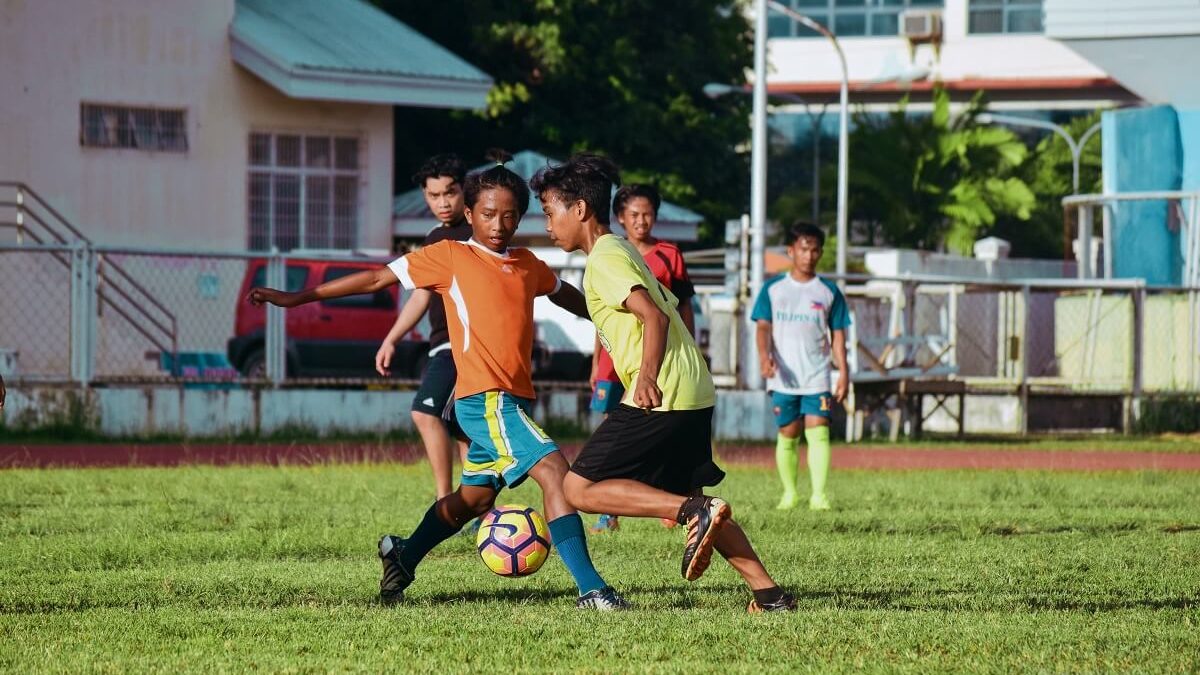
x=334 y=338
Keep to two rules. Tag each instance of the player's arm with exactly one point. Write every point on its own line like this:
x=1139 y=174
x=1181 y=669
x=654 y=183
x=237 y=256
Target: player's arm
x=766 y=347
x=2 y=392
x=410 y=314
x=595 y=362
x=367 y=281
x=569 y=298
x=655 y=323
x=839 y=360
x=685 y=290
x=688 y=315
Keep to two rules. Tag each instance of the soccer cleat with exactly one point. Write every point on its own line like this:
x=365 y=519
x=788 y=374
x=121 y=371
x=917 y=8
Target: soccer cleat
x=819 y=503
x=472 y=528
x=605 y=523
x=605 y=600
x=787 y=603
x=396 y=577
x=703 y=525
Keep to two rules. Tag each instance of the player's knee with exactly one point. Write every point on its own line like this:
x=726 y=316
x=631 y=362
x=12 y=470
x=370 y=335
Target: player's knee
x=424 y=420
x=477 y=504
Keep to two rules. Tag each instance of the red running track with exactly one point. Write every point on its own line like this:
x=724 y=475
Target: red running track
x=844 y=457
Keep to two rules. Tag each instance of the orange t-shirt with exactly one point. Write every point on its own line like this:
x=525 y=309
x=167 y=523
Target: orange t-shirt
x=491 y=294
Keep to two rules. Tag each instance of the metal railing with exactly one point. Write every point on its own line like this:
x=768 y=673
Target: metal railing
x=34 y=220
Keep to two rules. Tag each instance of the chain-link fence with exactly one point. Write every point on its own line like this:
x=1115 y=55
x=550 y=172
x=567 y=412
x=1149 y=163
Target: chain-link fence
x=119 y=315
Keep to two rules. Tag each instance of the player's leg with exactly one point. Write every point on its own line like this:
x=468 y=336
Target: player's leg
x=734 y=546
x=606 y=396
x=533 y=454
x=816 y=411
x=787 y=459
x=643 y=464
x=443 y=520
x=429 y=405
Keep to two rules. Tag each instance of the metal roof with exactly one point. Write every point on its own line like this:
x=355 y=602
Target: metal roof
x=348 y=50
x=411 y=217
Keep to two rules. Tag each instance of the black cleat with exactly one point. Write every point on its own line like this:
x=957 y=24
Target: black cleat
x=703 y=524
x=606 y=600
x=396 y=576
x=786 y=603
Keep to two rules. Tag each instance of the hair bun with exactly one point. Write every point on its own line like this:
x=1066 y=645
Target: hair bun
x=498 y=155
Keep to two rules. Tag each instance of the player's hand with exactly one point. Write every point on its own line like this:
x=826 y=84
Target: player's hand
x=843 y=386
x=260 y=296
x=767 y=365
x=646 y=394
x=592 y=377
x=383 y=358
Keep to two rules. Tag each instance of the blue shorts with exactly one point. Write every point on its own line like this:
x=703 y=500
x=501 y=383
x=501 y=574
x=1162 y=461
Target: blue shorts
x=505 y=442
x=607 y=396
x=791 y=407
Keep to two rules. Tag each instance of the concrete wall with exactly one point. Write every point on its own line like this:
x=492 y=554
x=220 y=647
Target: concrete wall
x=166 y=53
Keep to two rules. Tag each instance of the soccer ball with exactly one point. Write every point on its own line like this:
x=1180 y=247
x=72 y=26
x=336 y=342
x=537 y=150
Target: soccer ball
x=513 y=540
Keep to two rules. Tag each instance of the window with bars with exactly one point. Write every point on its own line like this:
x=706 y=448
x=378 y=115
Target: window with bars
x=115 y=126
x=1005 y=16
x=303 y=191
x=847 y=18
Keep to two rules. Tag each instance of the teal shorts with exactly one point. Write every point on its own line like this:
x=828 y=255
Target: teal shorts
x=791 y=407
x=505 y=442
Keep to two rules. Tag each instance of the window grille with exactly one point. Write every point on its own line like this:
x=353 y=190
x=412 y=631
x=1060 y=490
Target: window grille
x=114 y=126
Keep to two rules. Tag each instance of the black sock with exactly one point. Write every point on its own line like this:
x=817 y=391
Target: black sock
x=431 y=532
x=768 y=596
x=689 y=505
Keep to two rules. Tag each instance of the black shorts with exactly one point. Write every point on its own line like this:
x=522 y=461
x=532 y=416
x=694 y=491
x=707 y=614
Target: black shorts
x=436 y=395
x=671 y=451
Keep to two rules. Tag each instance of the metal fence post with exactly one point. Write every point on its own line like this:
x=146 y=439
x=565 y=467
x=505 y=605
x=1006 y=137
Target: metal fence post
x=276 y=337
x=1085 y=241
x=1023 y=354
x=83 y=313
x=1133 y=410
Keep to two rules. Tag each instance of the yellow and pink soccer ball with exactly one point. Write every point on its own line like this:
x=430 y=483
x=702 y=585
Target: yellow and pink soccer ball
x=513 y=540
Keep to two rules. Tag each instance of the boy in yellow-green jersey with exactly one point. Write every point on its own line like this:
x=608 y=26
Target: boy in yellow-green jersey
x=652 y=456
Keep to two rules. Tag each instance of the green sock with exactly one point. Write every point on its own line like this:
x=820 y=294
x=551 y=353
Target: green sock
x=819 y=452
x=787 y=462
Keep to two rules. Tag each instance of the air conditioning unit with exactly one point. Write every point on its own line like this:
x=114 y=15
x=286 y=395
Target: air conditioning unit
x=921 y=25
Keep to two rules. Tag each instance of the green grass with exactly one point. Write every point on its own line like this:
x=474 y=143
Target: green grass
x=273 y=569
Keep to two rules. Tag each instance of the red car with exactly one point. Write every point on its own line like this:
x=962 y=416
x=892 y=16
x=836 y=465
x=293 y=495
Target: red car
x=334 y=338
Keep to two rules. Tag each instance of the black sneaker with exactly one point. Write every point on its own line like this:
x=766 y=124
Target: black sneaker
x=787 y=603
x=396 y=577
x=606 y=600
x=703 y=524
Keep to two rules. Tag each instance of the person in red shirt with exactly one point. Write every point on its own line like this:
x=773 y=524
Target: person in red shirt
x=636 y=208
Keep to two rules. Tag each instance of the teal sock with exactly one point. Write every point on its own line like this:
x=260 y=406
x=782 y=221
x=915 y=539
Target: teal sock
x=566 y=533
x=431 y=532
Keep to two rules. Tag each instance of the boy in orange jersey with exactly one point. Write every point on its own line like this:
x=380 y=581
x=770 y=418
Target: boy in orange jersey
x=489 y=290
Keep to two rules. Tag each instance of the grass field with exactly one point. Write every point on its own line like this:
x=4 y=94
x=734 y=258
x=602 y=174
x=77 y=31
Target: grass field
x=273 y=569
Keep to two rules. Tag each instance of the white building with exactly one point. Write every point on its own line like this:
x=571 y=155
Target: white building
x=223 y=124
x=998 y=46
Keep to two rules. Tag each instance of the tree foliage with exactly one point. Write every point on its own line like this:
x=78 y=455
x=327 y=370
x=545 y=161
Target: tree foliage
x=622 y=77
x=936 y=181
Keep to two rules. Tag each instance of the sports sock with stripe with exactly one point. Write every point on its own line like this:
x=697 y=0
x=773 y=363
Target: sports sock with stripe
x=566 y=533
x=787 y=462
x=819 y=453
x=431 y=532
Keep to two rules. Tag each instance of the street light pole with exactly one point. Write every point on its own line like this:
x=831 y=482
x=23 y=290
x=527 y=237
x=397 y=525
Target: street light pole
x=758 y=180
x=1076 y=147
x=843 y=130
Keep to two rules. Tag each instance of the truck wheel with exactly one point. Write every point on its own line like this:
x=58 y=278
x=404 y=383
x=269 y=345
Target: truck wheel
x=255 y=365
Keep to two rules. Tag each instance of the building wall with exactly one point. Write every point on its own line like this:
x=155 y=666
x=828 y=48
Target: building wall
x=1067 y=19
x=158 y=53
x=964 y=57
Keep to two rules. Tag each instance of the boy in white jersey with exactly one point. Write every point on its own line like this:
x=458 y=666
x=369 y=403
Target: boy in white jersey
x=797 y=314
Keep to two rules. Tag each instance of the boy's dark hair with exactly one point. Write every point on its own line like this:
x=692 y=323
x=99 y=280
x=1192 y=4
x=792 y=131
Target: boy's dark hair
x=805 y=229
x=496 y=177
x=440 y=165
x=632 y=191
x=585 y=177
